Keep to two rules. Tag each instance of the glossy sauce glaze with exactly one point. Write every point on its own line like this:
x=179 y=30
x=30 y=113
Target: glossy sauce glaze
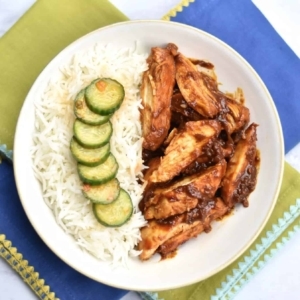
x=214 y=197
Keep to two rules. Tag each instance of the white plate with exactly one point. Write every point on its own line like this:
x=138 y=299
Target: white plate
x=209 y=253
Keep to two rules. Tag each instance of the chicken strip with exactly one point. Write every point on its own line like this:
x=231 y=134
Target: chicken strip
x=157 y=232
x=191 y=85
x=240 y=177
x=237 y=117
x=174 y=242
x=184 y=194
x=212 y=153
x=184 y=148
x=179 y=105
x=219 y=210
x=156 y=92
x=233 y=115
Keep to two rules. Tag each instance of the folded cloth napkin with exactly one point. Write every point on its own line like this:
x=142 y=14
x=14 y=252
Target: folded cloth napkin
x=47 y=28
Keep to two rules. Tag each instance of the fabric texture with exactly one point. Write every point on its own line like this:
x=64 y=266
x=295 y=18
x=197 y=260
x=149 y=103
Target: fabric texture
x=65 y=282
x=45 y=30
x=41 y=33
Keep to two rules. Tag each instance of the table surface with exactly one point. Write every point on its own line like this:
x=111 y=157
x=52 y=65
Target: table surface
x=278 y=280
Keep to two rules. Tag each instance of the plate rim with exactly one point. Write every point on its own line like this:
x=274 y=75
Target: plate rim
x=279 y=177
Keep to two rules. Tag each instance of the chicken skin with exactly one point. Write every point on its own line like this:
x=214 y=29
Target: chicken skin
x=156 y=93
x=184 y=148
x=191 y=85
x=184 y=195
x=240 y=177
x=197 y=227
x=174 y=231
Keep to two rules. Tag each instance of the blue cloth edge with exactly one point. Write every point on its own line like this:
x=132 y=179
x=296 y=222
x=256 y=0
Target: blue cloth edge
x=234 y=281
x=6 y=153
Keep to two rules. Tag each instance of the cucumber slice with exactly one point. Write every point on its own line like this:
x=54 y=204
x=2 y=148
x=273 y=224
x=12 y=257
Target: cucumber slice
x=116 y=213
x=104 y=193
x=83 y=113
x=89 y=157
x=104 y=96
x=92 y=136
x=99 y=174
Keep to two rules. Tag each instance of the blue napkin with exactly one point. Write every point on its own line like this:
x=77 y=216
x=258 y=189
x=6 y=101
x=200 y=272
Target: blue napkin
x=68 y=284
x=242 y=26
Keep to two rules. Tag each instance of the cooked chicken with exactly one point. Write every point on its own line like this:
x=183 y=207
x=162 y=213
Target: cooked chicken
x=237 y=117
x=156 y=233
x=201 y=158
x=156 y=92
x=191 y=85
x=152 y=165
x=184 y=148
x=174 y=242
x=213 y=152
x=233 y=115
x=205 y=67
x=218 y=211
x=170 y=137
x=184 y=194
x=202 y=63
x=179 y=105
x=240 y=177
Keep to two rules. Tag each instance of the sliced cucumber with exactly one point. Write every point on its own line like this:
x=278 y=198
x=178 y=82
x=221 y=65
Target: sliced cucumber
x=83 y=113
x=116 y=213
x=99 y=174
x=104 y=96
x=92 y=136
x=104 y=193
x=89 y=157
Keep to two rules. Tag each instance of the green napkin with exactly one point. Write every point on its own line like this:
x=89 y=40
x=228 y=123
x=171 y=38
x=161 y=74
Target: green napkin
x=46 y=29
x=283 y=223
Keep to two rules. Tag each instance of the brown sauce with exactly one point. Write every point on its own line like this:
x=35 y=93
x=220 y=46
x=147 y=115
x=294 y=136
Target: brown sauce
x=215 y=151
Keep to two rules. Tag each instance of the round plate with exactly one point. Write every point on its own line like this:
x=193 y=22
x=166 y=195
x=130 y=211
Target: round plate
x=208 y=253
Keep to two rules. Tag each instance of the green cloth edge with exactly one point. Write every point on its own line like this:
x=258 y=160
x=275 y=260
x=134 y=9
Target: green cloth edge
x=45 y=22
x=13 y=94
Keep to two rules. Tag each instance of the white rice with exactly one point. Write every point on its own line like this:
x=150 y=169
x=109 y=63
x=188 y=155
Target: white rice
x=55 y=167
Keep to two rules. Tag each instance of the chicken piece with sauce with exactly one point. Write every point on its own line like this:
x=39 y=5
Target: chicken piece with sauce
x=156 y=92
x=210 y=211
x=184 y=148
x=233 y=115
x=195 y=92
x=171 y=232
x=184 y=194
x=201 y=158
x=240 y=177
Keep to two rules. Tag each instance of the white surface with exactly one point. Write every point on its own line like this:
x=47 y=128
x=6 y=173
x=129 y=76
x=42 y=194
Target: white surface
x=284 y=17
x=144 y=9
x=278 y=280
x=10 y=11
